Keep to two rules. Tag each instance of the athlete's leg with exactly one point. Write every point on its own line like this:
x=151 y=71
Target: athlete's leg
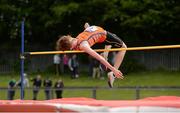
x=106 y=53
x=119 y=57
x=116 y=42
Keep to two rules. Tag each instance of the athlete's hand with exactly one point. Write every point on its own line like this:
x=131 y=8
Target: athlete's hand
x=118 y=74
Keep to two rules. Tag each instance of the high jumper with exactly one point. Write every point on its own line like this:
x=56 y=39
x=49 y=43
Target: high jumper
x=96 y=35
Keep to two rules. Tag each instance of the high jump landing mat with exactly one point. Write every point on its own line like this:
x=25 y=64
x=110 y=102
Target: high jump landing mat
x=162 y=104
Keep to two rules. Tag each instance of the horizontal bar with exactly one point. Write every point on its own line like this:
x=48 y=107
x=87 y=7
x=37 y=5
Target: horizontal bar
x=102 y=50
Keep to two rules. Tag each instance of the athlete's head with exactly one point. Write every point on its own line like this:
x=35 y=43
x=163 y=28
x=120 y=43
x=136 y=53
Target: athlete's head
x=63 y=43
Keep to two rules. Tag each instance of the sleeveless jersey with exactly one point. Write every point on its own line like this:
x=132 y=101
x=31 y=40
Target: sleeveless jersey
x=92 y=35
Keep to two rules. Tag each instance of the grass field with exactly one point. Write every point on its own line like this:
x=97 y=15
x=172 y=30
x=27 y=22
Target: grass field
x=156 y=78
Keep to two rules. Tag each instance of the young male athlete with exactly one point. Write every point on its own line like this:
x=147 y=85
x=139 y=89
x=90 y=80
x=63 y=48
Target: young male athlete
x=96 y=35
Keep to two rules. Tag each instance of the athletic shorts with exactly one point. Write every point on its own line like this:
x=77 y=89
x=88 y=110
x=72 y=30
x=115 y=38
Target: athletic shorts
x=113 y=40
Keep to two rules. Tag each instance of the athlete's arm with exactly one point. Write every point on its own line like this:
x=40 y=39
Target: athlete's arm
x=85 y=47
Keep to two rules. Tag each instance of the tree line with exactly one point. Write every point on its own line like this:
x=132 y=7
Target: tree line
x=137 y=22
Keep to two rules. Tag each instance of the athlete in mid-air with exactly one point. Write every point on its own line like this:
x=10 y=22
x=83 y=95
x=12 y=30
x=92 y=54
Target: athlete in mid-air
x=96 y=35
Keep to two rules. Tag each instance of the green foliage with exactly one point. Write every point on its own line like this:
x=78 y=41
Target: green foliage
x=135 y=20
x=62 y=10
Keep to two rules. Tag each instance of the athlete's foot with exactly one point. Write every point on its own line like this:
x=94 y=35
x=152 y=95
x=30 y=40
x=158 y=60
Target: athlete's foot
x=111 y=79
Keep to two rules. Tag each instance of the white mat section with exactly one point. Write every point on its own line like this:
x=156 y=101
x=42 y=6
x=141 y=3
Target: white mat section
x=145 y=109
x=104 y=109
x=81 y=108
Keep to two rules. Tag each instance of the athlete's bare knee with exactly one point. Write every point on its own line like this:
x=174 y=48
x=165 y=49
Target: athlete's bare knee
x=124 y=45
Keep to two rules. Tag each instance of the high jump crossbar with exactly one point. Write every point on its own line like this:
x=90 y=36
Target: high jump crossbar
x=105 y=50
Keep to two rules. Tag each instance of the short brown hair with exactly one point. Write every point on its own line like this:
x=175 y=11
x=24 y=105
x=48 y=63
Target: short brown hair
x=63 y=43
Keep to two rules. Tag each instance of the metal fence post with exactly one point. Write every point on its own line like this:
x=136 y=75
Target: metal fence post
x=94 y=93
x=137 y=92
x=52 y=93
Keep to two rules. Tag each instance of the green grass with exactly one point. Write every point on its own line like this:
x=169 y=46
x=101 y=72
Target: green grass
x=155 y=78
